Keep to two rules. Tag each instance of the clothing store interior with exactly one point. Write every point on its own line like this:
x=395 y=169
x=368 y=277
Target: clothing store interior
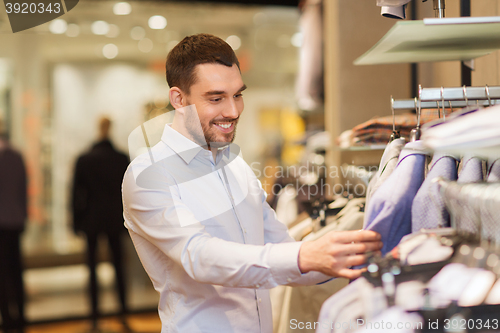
x=359 y=114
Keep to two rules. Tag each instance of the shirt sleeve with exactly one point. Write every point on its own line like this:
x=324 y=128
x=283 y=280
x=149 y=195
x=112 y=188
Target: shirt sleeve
x=276 y=232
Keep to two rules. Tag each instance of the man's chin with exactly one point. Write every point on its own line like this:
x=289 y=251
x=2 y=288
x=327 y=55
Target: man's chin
x=220 y=144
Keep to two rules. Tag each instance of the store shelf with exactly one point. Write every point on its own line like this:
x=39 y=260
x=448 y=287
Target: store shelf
x=459 y=38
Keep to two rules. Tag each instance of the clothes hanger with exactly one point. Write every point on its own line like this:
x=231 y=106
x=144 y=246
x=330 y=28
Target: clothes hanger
x=416 y=132
x=442 y=103
x=487 y=90
x=395 y=134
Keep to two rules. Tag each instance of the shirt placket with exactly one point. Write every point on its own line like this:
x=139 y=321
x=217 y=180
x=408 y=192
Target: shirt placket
x=223 y=177
x=225 y=183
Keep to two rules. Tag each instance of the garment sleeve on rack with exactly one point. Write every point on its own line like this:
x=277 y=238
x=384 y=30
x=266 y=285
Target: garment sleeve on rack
x=429 y=209
x=389 y=212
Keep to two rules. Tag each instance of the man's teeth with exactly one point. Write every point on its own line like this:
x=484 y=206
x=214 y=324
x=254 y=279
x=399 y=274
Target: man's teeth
x=224 y=125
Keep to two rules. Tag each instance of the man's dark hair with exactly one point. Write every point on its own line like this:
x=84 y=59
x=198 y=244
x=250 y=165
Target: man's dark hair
x=194 y=50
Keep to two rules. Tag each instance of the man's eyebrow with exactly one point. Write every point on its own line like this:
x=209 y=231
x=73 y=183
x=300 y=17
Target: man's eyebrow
x=222 y=92
x=242 y=88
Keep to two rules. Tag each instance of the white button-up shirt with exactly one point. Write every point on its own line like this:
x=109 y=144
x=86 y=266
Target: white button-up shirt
x=208 y=240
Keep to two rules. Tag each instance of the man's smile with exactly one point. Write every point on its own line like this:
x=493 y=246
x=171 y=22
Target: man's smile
x=225 y=127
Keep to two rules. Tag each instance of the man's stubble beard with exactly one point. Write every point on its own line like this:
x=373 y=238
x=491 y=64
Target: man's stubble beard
x=211 y=135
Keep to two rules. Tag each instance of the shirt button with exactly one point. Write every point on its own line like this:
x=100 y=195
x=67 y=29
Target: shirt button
x=260 y=300
x=289 y=280
x=245 y=230
x=257 y=286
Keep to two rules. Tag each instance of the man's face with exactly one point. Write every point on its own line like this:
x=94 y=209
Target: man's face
x=218 y=100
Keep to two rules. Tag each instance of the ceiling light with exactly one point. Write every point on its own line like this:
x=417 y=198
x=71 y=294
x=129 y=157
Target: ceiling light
x=99 y=27
x=145 y=45
x=157 y=22
x=110 y=51
x=73 y=30
x=137 y=33
x=234 y=41
x=58 y=26
x=122 y=8
x=114 y=31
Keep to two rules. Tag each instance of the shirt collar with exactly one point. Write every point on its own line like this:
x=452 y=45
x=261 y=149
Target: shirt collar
x=184 y=147
x=413 y=148
x=181 y=145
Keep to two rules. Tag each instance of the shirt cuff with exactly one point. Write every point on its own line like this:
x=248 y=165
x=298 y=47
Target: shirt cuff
x=284 y=262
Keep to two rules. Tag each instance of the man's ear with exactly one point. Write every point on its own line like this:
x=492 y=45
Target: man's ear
x=177 y=98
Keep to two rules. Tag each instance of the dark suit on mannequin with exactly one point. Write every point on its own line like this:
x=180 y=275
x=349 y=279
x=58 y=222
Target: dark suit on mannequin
x=97 y=208
x=13 y=203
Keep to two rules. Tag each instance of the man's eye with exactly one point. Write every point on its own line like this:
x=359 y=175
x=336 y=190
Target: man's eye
x=238 y=95
x=216 y=99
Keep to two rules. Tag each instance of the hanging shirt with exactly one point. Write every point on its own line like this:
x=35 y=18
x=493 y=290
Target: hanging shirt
x=208 y=240
x=389 y=212
x=429 y=210
x=471 y=172
x=490 y=228
x=493 y=171
x=388 y=162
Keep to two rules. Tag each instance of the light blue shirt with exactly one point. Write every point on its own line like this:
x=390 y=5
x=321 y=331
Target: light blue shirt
x=429 y=209
x=208 y=240
x=389 y=210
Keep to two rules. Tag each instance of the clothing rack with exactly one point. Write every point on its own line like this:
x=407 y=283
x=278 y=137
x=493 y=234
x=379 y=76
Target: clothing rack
x=455 y=97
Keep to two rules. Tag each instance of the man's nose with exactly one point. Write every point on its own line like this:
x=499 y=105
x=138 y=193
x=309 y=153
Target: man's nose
x=231 y=111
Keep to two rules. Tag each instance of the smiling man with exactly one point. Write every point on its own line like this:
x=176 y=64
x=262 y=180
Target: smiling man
x=198 y=216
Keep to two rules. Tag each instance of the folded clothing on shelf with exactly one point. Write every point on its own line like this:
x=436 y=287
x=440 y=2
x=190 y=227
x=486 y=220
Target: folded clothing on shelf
x=378 y=130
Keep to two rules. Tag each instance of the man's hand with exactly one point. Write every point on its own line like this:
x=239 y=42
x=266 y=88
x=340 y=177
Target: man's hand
x=336 y=251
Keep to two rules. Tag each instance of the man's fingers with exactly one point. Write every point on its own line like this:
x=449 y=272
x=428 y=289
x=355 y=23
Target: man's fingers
x=356 y=236
x=350 y=273
x=357 y=248
x=356 y=260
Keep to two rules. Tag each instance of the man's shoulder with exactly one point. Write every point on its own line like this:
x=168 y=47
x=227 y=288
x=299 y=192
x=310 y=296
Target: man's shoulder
x=152 y=160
